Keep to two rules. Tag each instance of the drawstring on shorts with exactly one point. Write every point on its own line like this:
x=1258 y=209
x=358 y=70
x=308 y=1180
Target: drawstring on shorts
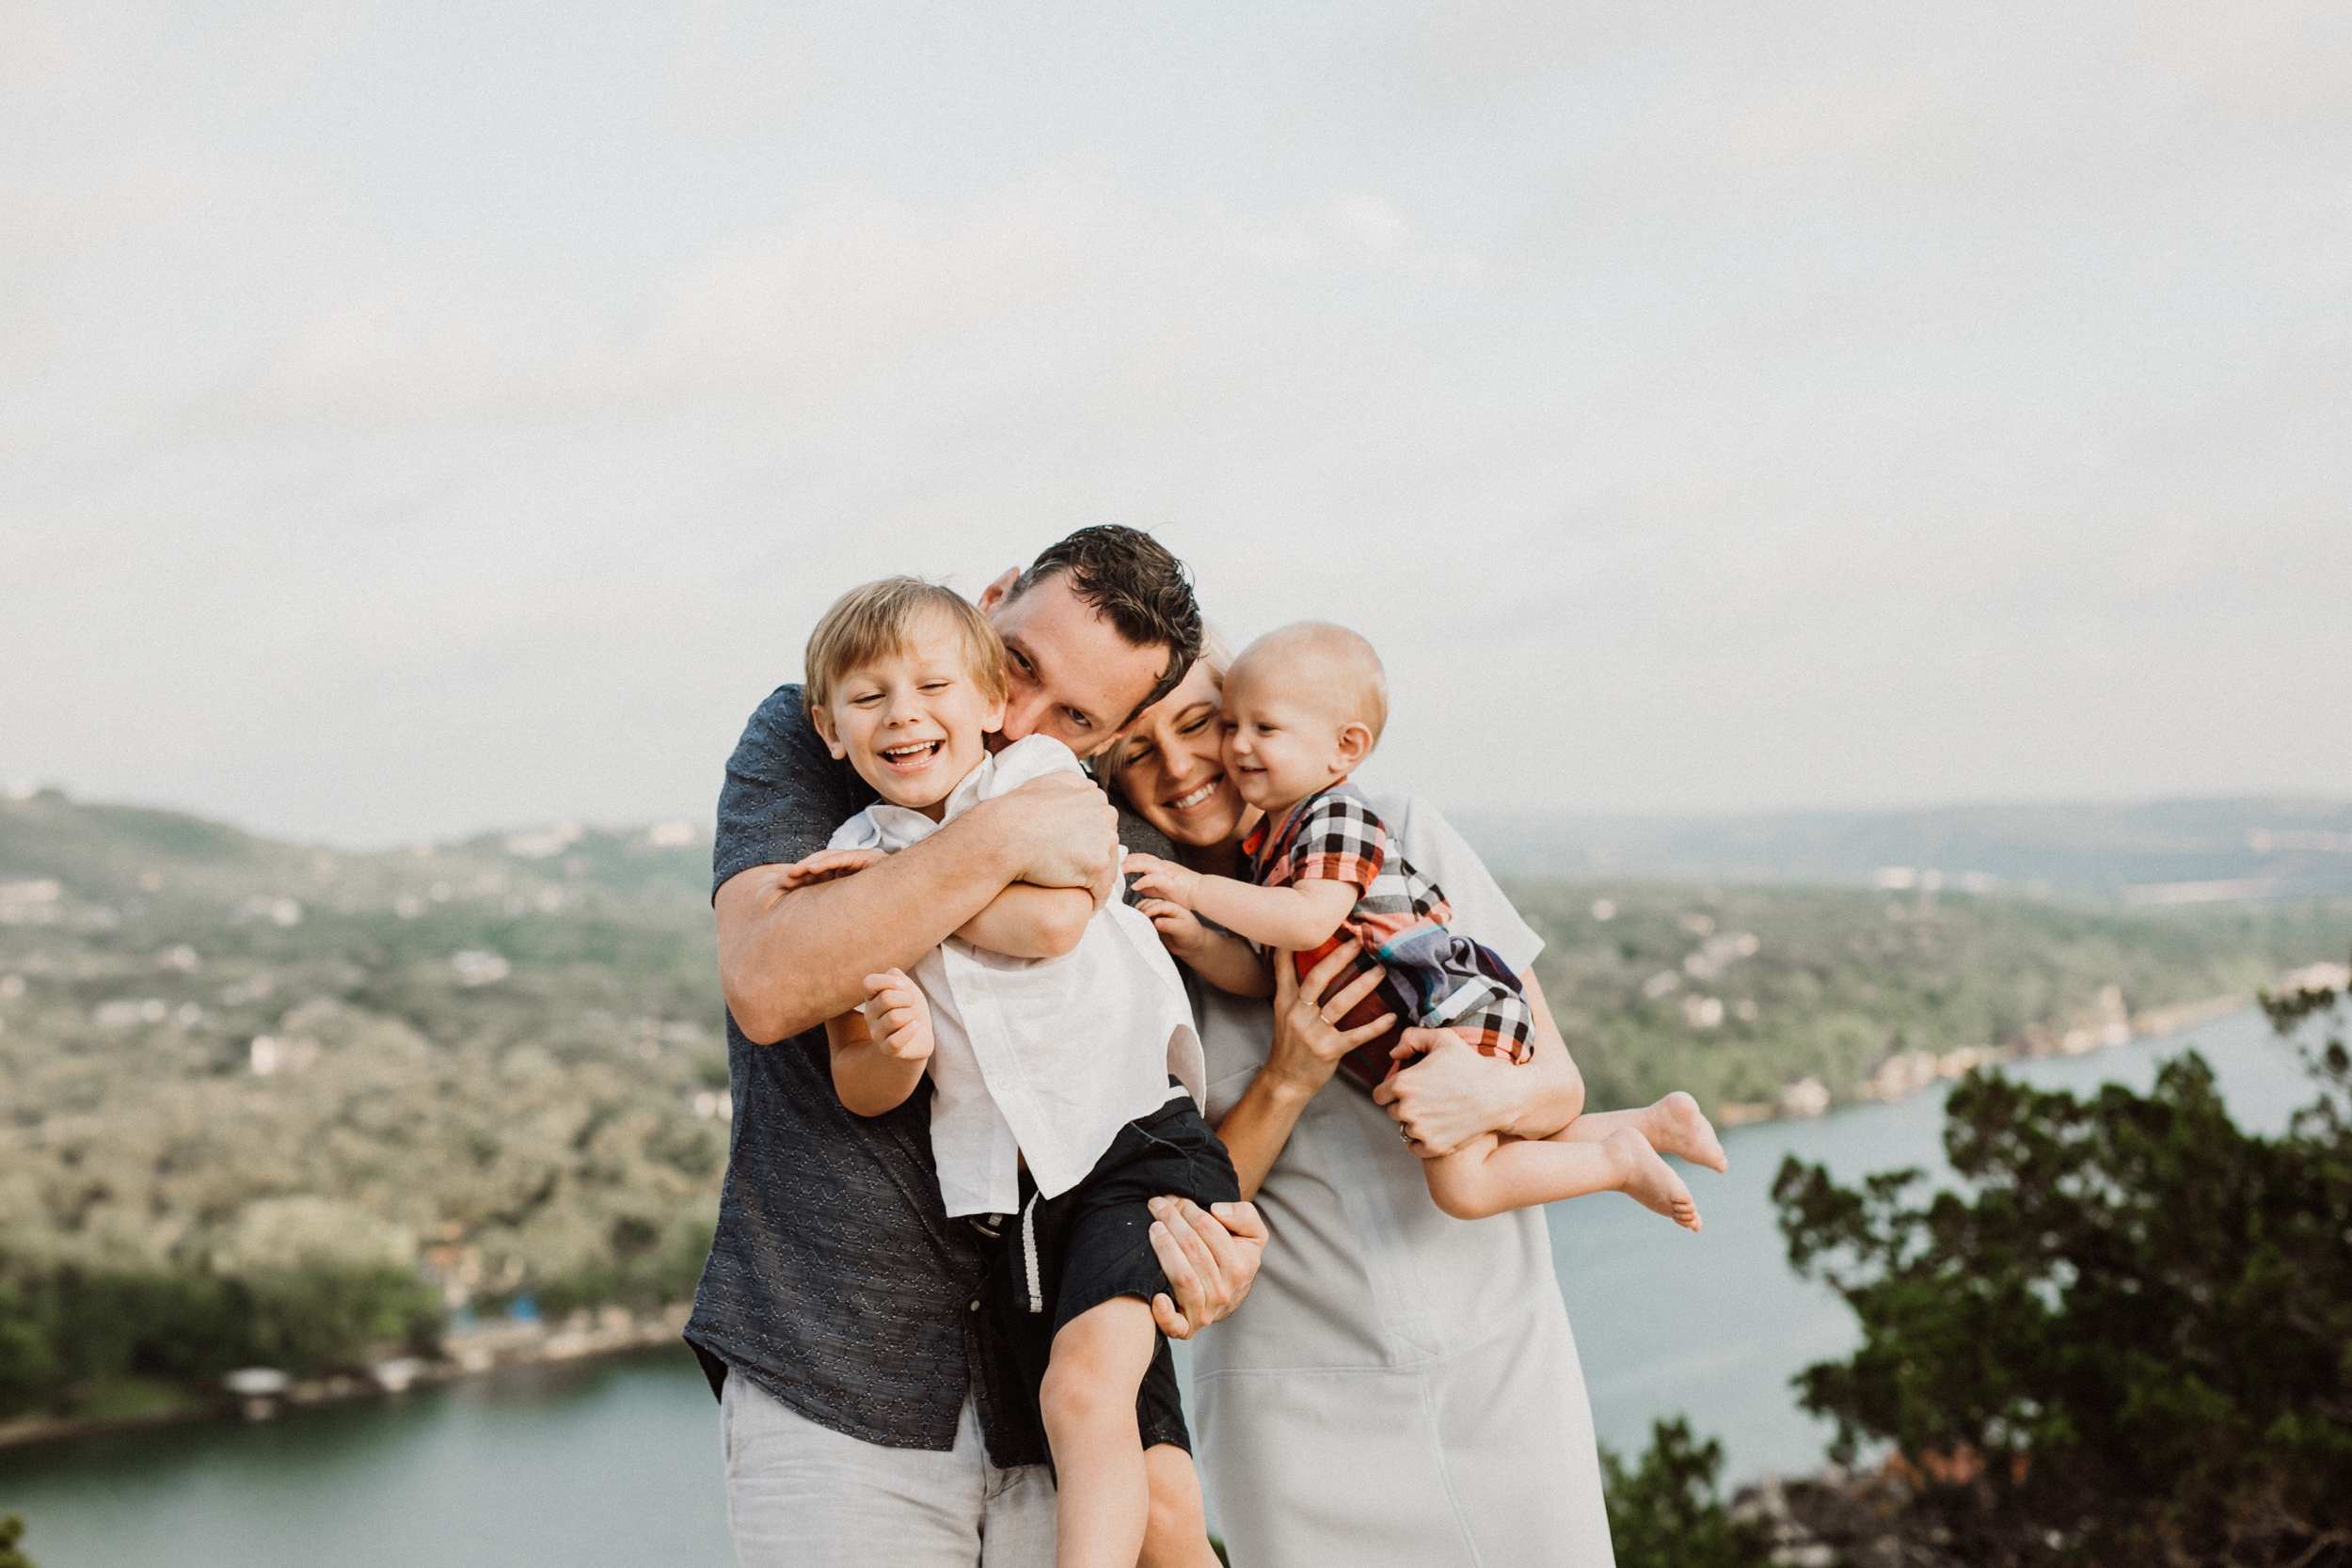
x=1028 y=1253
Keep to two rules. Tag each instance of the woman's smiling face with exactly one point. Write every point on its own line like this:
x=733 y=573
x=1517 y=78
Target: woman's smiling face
x=1173 y=774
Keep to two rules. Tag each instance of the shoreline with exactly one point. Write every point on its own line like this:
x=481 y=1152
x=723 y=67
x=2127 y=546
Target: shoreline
x=1903 y=1075
x=465 y=1353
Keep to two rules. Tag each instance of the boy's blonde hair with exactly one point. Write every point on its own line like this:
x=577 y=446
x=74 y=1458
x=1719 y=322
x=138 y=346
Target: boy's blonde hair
x=1330 y=660
x=882 y=618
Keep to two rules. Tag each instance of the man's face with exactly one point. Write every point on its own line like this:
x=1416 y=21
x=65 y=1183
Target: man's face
x=1068 y=672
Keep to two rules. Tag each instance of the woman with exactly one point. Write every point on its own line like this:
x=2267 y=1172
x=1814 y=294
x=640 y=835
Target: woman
x=1400 y=1387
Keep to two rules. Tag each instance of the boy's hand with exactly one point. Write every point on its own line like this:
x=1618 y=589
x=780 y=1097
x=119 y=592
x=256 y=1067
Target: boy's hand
x=824 y=866
x=1181 y=931
x=1165 y=880
x=898 y=1018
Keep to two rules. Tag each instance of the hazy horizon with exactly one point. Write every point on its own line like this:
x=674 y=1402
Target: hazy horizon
x=2288 y=809
x=428 y=421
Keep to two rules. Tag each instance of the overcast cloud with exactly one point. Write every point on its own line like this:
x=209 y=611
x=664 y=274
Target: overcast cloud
x=415 y=419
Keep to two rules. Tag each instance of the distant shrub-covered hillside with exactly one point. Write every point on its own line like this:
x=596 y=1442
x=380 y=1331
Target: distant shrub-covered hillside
x=1742 y=995
x=262 y=1102
x=496 y=1067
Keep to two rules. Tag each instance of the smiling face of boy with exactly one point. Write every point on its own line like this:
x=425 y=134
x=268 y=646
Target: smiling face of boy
x=1282 y=744
x=914 y=720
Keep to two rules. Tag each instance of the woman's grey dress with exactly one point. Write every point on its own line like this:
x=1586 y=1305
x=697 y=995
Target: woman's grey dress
x=1400 y=1388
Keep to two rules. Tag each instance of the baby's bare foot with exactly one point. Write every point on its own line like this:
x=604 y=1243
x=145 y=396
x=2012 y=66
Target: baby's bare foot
x=1678 y=1126
x=1651 y=1182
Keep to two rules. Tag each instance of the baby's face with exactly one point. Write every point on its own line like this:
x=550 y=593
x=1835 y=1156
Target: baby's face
x=1281 y=746
x=914 y=724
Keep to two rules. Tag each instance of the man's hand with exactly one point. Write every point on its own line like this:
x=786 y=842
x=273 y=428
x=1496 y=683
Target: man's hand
x=793 y=952
x=898 y=1017
x=1209 y=1255
x=1066 y=831
x=824 y=866
x=1155 y=877
x=1450 y=1095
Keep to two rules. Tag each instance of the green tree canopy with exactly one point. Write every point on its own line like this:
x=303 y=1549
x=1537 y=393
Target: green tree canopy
x=2129 y=1340
x=12 y=1531
x=1664 y=1511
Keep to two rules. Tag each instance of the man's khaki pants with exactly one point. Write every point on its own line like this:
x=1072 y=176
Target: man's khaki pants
x=803 y=1495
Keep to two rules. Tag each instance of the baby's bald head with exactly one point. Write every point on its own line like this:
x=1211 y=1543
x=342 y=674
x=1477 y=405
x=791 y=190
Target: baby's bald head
x=1325 y=666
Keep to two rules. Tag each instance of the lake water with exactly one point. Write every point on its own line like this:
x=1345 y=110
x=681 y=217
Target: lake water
x=617 y=1462
x=1714 y=1325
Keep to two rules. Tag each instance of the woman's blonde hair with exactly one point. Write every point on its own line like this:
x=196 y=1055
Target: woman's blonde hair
x=883 y=618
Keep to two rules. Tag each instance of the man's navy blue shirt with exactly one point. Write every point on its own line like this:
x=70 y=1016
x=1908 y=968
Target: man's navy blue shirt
x=836 y=1281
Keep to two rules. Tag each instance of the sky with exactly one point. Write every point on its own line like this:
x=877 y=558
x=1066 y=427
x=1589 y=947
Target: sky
x=419 y=419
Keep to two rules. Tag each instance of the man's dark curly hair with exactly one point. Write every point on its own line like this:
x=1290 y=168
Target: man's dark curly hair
x=1132 y=581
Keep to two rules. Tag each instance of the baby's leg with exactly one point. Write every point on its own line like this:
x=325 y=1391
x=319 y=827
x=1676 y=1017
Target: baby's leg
x=1178 y=1535
x=1089 y=1402
x=1494 y=1174
x=1675 y=1125
x=1465 y=1184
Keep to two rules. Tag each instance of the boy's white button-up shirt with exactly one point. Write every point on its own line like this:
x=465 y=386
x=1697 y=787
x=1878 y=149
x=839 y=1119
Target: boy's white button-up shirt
x=1045 y=1058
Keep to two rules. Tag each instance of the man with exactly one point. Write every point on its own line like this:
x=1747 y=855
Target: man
x=868 y=1411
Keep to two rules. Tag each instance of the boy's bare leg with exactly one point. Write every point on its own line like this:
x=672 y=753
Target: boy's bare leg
x=1089 y=1402
x=1494 y=1174
x=1178 y=1535
x=1675 y=1125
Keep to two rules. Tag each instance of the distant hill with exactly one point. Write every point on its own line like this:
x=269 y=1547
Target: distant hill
x=108 y=852
x=265 y=1103
x=258 y=1096
x=2163 y=852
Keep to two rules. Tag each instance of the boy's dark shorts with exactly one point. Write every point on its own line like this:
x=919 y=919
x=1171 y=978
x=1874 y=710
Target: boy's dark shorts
x=1093 y=1243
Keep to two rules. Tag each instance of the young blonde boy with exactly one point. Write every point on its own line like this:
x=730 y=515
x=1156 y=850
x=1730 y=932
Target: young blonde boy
x=1304 y=706
x=1065 y=1072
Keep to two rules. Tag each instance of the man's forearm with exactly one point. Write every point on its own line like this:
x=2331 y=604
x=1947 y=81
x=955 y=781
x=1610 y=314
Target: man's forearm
x=790 y=961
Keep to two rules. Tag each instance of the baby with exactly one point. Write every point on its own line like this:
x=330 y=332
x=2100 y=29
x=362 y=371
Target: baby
x=1065 y=1081
x=1303 y=707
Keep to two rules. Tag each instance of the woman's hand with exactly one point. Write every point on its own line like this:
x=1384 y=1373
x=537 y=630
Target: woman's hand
x=1452 y=1093
x=1163 y=880
x=1308 y=1043
x=1306 y=1049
